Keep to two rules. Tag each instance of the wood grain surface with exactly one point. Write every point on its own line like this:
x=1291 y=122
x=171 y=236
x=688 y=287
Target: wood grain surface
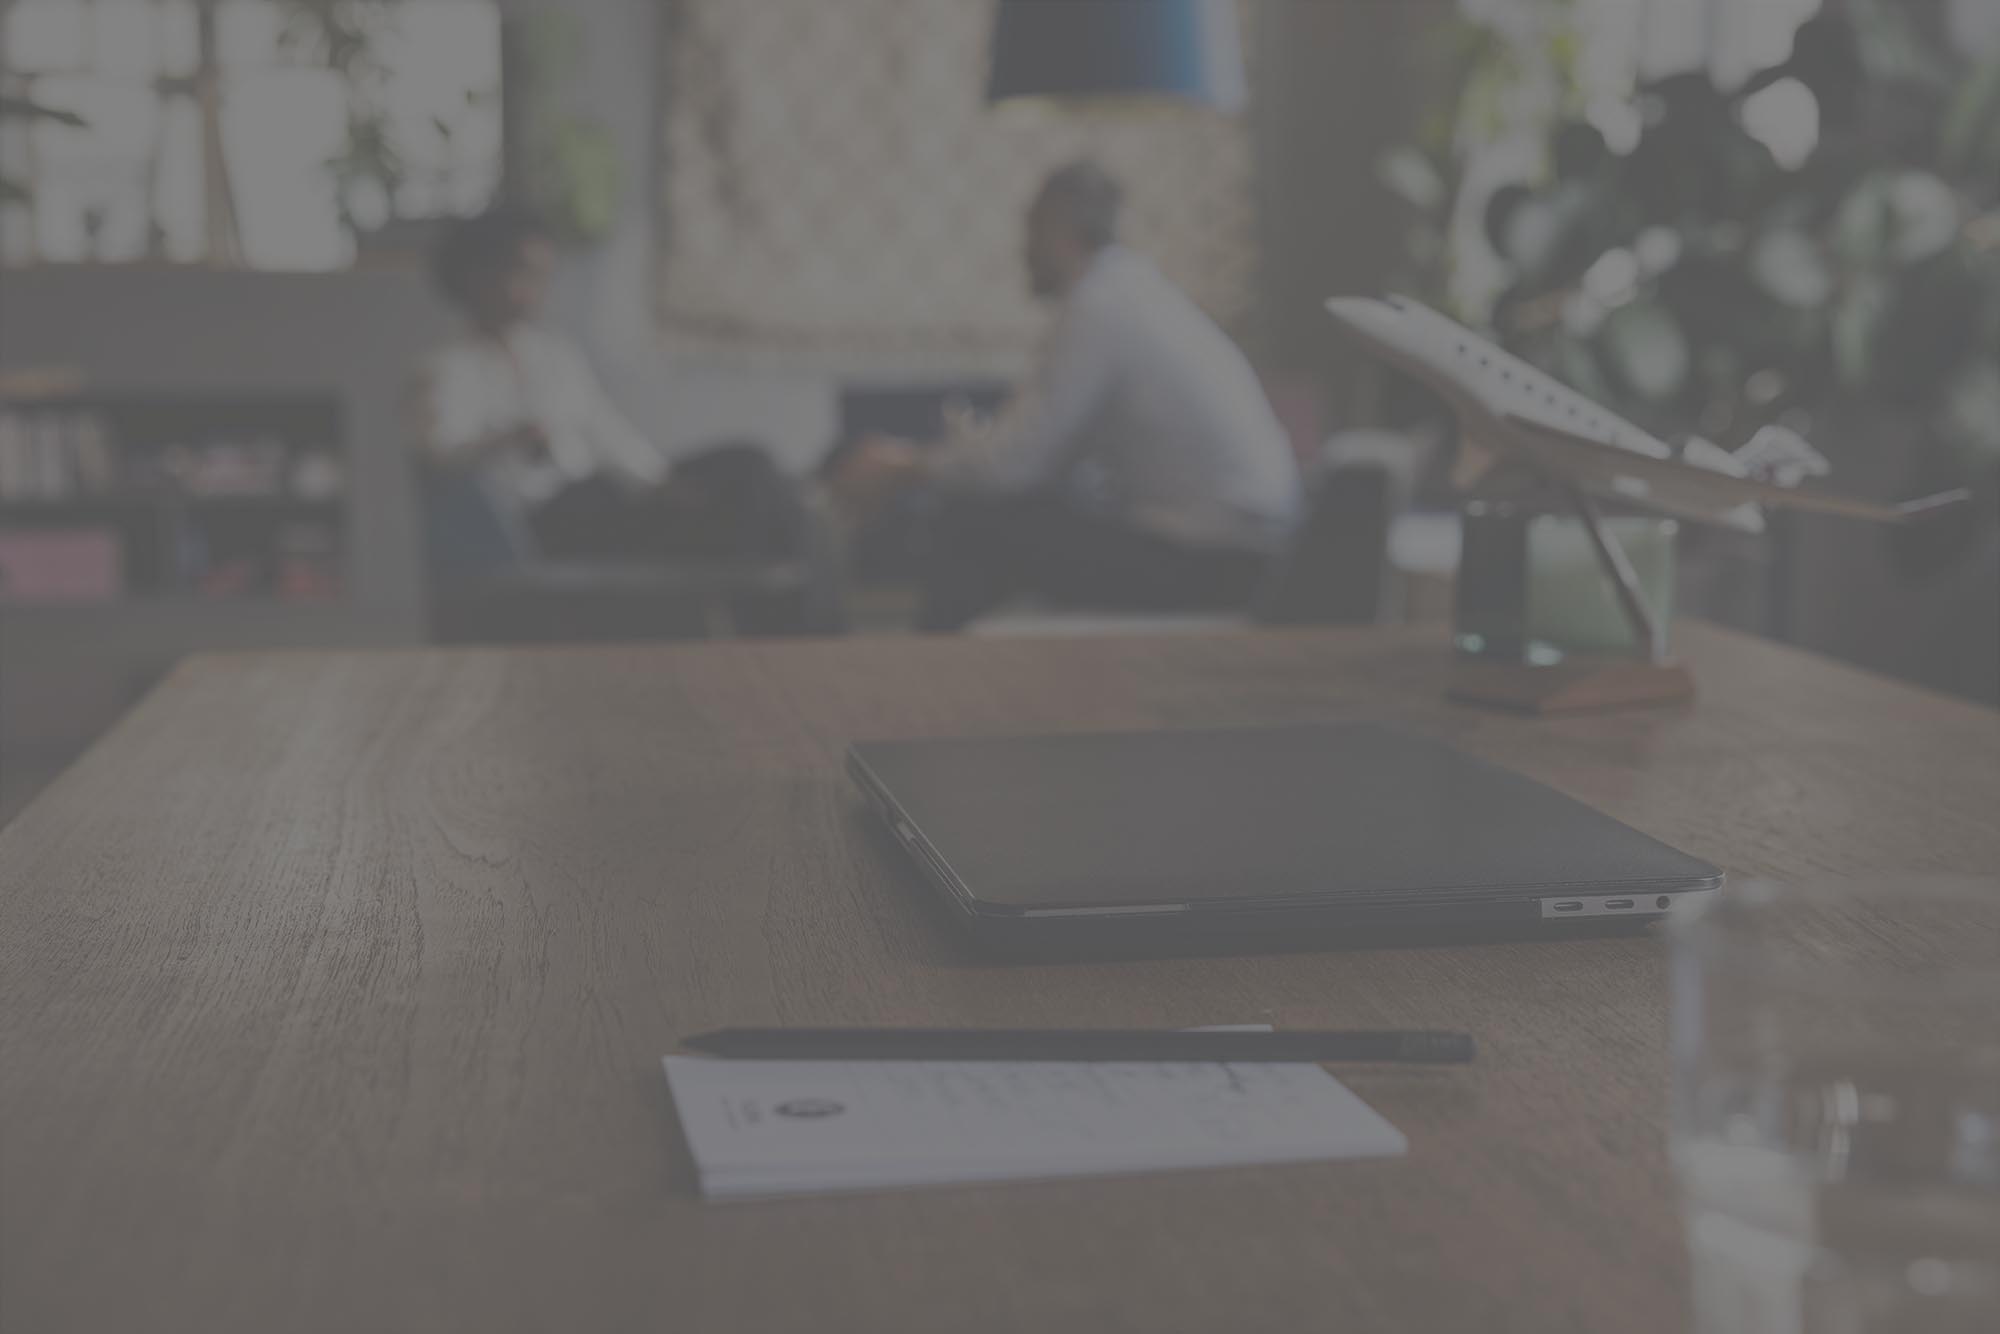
x=333 y=989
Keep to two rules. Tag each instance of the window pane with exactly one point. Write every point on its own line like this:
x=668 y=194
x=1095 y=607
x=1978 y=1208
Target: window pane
x=135 y=181
x=279 y=128
x=124 y=39
x=47 y=35
x=247 y=32
x=453 y=44
x=15 y=233
x=180 y=36
x=90 y=190
x=178 y=198
x=121 y=120
x=441 y=101
x=102 y=220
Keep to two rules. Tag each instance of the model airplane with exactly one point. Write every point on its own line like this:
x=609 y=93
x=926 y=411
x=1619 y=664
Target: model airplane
x=1508 y=409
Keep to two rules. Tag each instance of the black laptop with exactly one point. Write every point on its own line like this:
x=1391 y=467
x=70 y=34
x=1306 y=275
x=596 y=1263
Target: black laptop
x=1272 y=834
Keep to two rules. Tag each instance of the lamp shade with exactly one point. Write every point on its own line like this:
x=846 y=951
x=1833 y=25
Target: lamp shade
x=1189 y=50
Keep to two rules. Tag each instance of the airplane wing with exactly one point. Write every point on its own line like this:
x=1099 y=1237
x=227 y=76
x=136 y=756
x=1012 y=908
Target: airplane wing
x=1509 y=408
x=1670 y=484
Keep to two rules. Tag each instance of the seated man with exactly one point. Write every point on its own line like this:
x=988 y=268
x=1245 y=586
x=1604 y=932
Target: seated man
x=1141 y=469
x=516 y=405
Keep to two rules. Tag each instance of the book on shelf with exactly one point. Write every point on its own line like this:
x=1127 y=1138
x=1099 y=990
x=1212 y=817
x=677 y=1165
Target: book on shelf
x=60 y=565
x=54 y=456
x=137 y=496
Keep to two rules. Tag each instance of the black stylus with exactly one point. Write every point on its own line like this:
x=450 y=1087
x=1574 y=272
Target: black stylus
x=1079 y=1044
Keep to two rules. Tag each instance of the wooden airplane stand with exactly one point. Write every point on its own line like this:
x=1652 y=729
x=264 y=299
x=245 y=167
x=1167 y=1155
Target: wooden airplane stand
x=1583 y=682
x=1579 y=684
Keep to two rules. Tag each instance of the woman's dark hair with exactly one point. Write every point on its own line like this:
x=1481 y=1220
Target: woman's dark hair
x=473 y=250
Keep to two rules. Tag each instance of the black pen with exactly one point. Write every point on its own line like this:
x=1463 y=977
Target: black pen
x=1080 y=1044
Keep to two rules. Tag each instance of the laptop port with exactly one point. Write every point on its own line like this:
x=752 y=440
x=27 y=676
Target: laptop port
x=1618 y=905
x=1572 y=905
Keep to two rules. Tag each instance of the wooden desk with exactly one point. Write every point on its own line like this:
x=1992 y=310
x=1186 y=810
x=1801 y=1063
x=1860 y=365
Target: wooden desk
x=333 y=988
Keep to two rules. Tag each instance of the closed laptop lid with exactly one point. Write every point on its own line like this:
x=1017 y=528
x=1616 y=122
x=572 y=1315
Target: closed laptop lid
x=1238 y=818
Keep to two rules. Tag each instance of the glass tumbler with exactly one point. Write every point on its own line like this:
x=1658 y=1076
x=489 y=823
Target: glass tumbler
x=1836 y=1125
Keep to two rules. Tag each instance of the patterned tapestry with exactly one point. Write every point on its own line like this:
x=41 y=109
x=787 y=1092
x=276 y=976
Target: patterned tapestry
x=836 y=186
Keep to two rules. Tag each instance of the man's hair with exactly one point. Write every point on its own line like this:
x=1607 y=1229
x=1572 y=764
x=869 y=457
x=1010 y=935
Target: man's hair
x=1089 y=199
x=471 y=250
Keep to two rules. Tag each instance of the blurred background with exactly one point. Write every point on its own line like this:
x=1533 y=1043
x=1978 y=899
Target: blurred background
x=796 y=223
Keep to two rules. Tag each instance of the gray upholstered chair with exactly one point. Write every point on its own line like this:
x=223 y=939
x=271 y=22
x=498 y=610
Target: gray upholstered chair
x=486 y=583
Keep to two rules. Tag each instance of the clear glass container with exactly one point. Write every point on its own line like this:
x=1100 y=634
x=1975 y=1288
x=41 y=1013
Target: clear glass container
x=1837 y=1107
x=1530 y=588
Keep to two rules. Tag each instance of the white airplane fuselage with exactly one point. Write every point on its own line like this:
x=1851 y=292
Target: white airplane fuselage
x=1493 y=392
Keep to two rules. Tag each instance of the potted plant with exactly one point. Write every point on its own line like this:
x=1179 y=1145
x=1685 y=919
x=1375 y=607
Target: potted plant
x=1694 y=282
x=561 y=164
x=1659 y=254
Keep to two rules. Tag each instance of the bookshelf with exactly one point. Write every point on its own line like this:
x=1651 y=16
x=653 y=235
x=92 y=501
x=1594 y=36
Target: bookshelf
x=328 y=355
x=111 y=499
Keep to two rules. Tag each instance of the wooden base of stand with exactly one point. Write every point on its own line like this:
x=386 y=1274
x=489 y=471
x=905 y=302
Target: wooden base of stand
x=1575 y=685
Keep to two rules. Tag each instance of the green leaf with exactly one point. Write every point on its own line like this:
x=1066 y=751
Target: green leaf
x=1411 y=177
x=1573 y=364
x=577 y=179
x=1970 y=415
x=1927 y=216
x=1893 y=48
x=1647 y=350
x=1897 y=217
x=1971 y=137
x=1856 y=319
x=1787 y=265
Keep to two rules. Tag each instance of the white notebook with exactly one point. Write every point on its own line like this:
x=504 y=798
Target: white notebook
x=791 y=1127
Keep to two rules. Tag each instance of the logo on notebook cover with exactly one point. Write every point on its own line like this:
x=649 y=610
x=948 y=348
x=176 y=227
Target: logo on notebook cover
x=810 y=1109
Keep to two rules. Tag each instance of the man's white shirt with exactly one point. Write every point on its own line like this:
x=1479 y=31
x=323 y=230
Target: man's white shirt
x=1144 y=405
